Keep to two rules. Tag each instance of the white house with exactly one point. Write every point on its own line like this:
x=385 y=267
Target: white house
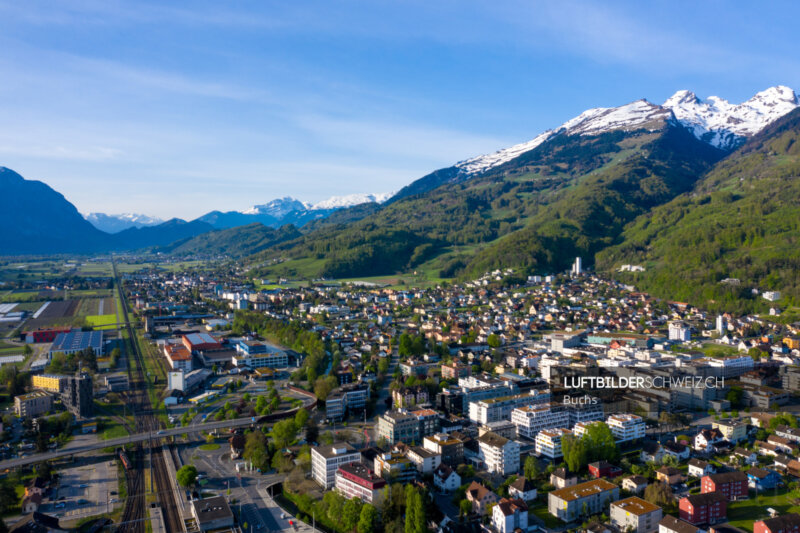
x=698 y=468
x=446 y=479
x=522 y=489
x=510 y=514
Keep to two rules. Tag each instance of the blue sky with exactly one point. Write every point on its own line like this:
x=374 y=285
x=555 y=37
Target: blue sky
x=178 y=108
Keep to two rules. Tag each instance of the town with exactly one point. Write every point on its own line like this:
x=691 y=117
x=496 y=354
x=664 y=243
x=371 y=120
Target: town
x=153 y=396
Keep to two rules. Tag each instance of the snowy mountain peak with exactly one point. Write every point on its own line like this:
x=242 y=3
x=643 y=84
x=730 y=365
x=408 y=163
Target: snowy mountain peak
x=277 y=208
x=726 y=125
x=636 y=115
x=121 y=221
x=339 y=202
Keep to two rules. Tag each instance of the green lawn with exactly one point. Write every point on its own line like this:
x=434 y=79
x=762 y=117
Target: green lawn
x=549 y=520
x=112 y=430
x=743 y=514
x=102 y=321
x=209 y=447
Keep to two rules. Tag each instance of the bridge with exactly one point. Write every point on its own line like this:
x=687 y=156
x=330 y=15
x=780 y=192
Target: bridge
x=308 y=403
x=129 y=439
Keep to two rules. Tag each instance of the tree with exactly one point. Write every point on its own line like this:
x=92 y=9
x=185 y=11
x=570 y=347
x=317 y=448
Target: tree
x=324 y=386
x=255 y=449
x=284 y=433
x=187 y=475
x=735 y=396
x=600 y=443
x=531 y=468
x=301 y=418
x=209 y=438
x=367 y=519
x=659 y=494
x=334 y=502
x=493 y=341
x=351 y=512
x=464 y=507
x=574 y=451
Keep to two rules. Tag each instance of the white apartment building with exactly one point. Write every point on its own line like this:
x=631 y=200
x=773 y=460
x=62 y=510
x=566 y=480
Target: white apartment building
x=548 y=442
x=679 y=331
x=496 y=409
x=425 y=460
x=531 y=419
x=326 y=460
x=732 y=366
x=626 y=427
x=500 y=454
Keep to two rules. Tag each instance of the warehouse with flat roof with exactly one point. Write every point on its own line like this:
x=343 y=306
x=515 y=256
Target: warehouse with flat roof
x=76 y=341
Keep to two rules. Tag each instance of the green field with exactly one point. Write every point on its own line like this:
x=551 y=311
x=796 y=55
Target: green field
x=102 y=321
x=209 y=447
x=744 y=513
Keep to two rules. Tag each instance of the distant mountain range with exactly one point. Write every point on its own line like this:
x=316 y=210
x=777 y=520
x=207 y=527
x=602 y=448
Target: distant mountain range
x=639 y=183
x=275 y=213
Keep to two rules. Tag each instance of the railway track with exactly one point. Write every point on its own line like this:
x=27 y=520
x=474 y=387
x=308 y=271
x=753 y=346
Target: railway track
x=135 y=511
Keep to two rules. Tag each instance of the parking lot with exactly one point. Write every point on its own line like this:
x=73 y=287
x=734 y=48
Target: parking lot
x=85 y=490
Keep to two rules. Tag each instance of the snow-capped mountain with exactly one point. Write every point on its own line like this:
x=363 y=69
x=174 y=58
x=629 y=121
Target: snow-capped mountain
x=278 y=208
x=339 y=202
x=725 y=125
x=715 y=121
x=120 y=222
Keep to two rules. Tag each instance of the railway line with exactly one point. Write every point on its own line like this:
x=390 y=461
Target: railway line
x=135 y=511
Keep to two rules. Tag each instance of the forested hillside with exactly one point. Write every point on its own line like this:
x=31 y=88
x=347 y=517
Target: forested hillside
x=742 y=221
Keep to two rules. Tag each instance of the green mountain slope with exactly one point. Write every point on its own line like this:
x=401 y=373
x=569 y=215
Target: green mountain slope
x=235 y=242
x=571 y=188
x=741 y=221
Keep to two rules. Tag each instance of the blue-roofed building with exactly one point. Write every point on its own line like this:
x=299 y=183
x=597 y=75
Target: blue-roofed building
x=763 y=478
x=77 y=340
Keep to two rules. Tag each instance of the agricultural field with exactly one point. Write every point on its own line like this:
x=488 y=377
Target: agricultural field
x=102 y=321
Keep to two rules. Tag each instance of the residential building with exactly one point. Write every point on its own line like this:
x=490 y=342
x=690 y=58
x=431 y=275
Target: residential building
x=501 y=455
x=494 y=409
x=670 y=524
x=604 y=469
x=409 y=396
x=523 y=489
x=257 y=354
x=345 y=400
x=635 y=484
x=679 y=331
x=732 y=430
x=731 y=367
x=424 y=460
x=480 y=497
x=48 y=382
x=531 y=419
x=763 y=478
x=699 y=509
x=178 y=356
x=455 y=370
x=354 y=480
x=626 y=427
x=510 y=515
x=78 y=395
x=707 y=438
x=680 y=452
x=788 y=523
x=326 y=460
x=636 y=515
x=732 y=485
x=450 y=448
x=399 y=426
x=395 y=466
x=446 y=479
x=669 y=475
x=548 y=442
x=561 y=478
x=700 y=468
x=428 y=420
x=32 y=404
x=569 y=504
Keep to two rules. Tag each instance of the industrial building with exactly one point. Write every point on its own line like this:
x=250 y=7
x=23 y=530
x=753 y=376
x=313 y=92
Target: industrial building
x=76 y=341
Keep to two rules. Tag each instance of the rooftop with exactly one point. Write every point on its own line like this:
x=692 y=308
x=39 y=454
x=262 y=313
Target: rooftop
x=583 y=490
x=637 y=506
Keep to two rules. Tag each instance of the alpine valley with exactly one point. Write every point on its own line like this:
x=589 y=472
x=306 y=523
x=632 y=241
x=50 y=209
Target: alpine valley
x=694 y=191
